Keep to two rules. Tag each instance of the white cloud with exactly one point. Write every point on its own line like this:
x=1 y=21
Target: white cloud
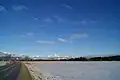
x=30 y=34
x=73 y=37
x=52 y=19
x=45 y=42
x=22 y=35
x=48 y=20
x=36 y=18
x=85 y=22
x=2 y=9
x=58 y=18
x=69 y=40
x=62 y=40
x=19 y=7
x=27 y=34
x=78 y=36
x=67 y=6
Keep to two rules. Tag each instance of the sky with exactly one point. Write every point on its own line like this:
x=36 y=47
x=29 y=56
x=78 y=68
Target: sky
x=64 y=27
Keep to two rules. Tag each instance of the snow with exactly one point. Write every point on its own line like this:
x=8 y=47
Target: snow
x=80 y=70
x=2 y=63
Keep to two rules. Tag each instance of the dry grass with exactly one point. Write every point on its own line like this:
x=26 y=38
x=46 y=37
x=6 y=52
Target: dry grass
x=42 y=62
x=24 y=73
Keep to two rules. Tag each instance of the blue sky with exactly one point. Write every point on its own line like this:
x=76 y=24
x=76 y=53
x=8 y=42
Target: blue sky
x=65 y=27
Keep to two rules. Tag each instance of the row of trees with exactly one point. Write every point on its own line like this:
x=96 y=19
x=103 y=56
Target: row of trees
x=109 y=58
x=26 y=58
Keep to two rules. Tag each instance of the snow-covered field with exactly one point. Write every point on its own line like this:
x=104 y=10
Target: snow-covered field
x=2 y=63
x=79 y=70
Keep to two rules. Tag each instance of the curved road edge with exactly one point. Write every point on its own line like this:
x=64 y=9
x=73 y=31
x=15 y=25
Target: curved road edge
x=24 y=73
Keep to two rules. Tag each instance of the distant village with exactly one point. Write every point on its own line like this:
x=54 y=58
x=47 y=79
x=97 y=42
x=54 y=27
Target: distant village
x=4 y=56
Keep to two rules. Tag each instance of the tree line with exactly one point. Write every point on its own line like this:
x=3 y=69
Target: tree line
x=109 y=58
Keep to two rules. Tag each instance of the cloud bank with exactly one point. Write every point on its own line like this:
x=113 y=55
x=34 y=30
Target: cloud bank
x=69 y=40
x=19 y=7
x=67 y=6
x=62 y=40
x=45 y=42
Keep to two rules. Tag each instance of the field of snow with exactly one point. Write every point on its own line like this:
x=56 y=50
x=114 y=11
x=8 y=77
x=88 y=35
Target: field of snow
x=79 y=70
x=2 y=63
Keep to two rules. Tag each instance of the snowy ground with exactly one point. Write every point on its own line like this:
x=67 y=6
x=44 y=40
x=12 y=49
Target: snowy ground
x=79 y=70
x=2 y=63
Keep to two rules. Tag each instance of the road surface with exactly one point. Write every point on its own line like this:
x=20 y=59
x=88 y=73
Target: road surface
x=10 y=72
x=14 y=71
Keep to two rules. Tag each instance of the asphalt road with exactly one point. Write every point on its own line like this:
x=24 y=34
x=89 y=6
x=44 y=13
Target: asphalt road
x=10 y=72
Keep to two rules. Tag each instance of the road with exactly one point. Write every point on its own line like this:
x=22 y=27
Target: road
x=10 y=72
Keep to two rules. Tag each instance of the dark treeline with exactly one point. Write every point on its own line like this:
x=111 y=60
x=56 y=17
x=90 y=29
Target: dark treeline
x=109 y=58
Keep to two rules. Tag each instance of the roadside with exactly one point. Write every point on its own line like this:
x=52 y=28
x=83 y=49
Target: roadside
x=38 y=74
x=34 y=72
x=24 y=73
